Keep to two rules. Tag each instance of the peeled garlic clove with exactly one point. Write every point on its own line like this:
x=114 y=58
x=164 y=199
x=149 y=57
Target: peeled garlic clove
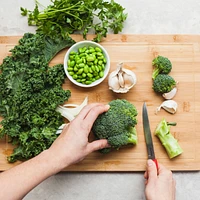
x=171 y=94
x=168 y=105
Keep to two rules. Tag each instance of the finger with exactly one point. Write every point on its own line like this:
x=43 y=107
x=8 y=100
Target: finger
x=83 y=113
x=162 y=169
x=145 y=175
x=151 y=170
x=97 y=145
x=94 y=113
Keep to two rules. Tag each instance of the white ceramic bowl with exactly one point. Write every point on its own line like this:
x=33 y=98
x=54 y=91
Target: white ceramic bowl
x=75 y=48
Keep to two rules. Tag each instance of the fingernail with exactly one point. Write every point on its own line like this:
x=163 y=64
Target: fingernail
x=107 y=107
x=149 y=162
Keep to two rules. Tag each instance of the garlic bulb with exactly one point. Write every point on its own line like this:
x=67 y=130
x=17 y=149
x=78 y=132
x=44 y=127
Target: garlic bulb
x=121 y=80
x=168 y=105
x=171 y=94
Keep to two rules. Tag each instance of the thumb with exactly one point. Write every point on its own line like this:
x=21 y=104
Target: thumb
x=97 y=145
x=151 y=170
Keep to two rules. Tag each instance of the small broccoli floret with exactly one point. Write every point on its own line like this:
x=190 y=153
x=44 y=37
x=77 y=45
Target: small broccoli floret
x=168 y=141
x=163 y=83
x=117 y=125
x=162 y=65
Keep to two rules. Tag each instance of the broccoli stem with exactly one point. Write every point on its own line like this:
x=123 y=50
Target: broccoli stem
x=168 y=141
x=155 y=73
x=133 y=136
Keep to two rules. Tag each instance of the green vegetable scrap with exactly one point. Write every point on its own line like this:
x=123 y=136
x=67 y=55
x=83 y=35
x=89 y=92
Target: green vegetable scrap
x=162 y=65
x=86 y=65
x=117 y=125
x=30 y=92
x=64 y=17
x=168 y=141
x=163 y=83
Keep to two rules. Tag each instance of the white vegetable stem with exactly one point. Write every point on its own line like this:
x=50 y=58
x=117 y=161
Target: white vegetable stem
x=70 y=111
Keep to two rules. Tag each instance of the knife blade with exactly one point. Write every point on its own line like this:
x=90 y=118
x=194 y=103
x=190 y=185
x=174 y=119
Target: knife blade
x=147 y=134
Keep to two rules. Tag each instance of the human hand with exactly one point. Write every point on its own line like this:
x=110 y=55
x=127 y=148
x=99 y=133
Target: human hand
x=72 y=145
x=159 y=185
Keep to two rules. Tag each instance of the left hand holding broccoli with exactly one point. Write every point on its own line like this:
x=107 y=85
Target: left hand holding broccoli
x=72 y=145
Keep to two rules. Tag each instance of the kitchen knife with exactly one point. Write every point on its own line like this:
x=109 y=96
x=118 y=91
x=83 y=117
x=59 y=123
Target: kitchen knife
x=147 y=134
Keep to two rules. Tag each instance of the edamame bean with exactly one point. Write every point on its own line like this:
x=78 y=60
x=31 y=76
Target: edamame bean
x=79 y=61
x=71 y=73
x=70 y=69
x=84 y=75
x=89 y=75
x=88 y=82
x=90 y=70
x=81 y=65
x=86 y=69
x=93 y=68
x=90 y=58
x=101 y=74
x=98 y=49
x=72 y=53
x=80 y=71
x=75 y=76
x=72 y=63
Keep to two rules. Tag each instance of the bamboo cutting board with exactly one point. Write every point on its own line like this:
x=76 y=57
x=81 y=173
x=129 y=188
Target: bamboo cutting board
x=137 y=53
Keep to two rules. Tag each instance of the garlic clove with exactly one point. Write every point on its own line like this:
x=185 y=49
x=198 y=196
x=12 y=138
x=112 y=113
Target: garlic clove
x=129 y=78
x=121 y=90
x=168 y=105
x=113 y=82
x=121 y=80
x=171 y=94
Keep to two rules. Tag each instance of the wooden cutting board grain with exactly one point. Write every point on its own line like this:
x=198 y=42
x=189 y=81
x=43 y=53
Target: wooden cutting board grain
x=137 y=53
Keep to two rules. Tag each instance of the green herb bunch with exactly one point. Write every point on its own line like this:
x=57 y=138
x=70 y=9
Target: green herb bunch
x=69 y=16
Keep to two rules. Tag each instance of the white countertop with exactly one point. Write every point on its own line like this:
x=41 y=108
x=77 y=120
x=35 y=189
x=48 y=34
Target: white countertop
x=144 y=17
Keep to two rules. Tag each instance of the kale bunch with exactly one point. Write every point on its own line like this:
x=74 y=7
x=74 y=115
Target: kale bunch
x=117 y=125
x=30 y=92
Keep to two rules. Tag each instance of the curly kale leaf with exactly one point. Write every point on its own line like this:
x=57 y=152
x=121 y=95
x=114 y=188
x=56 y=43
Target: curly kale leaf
x=30 y=92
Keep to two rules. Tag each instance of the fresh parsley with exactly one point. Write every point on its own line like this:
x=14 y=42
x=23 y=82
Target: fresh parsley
x=65 y=17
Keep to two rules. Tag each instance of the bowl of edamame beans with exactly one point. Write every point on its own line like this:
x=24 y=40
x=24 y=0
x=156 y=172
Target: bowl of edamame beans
x=86 y=63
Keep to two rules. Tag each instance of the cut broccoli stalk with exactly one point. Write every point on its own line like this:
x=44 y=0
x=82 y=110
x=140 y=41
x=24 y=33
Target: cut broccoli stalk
x=168 y=141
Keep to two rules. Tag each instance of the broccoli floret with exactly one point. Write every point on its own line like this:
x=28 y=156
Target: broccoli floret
x=163 y=83
x=117 y=125
x=168 y=141
x=162 y=65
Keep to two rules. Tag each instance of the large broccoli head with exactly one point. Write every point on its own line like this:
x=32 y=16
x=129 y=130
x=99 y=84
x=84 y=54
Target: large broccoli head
x=163 y=83
x=117 y=125
x=162 y=65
